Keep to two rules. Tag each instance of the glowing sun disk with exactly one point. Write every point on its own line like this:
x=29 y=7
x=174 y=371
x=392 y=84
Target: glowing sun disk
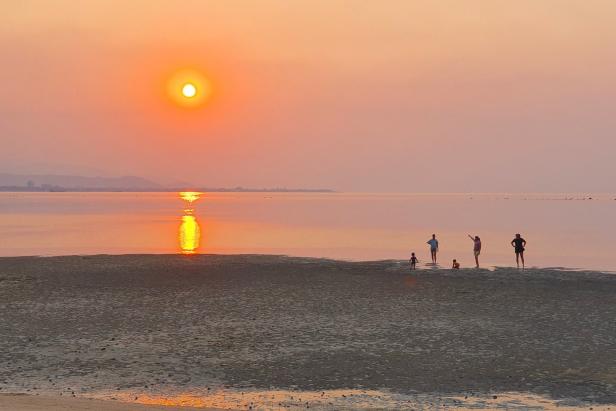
x=189 y=90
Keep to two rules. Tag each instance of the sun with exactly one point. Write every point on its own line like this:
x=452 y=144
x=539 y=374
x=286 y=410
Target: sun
x=189 y=88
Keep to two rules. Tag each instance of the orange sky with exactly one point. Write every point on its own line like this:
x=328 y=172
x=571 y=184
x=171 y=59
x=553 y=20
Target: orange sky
x=459 y=95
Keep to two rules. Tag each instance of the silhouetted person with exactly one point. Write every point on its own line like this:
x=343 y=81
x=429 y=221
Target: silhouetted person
x=476 y=248
x=518 y=243
x=433 y=247
x=413 y=261
x=455 y=265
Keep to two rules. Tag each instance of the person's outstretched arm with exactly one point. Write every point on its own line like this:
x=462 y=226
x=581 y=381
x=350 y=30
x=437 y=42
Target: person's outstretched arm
x=471 y=237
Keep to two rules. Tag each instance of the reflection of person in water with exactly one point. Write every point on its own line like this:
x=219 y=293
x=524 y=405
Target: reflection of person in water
x=518 y=243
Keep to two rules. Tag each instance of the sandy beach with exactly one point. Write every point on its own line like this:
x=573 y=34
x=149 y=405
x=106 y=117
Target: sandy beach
x=11 y=402
x=259 y=331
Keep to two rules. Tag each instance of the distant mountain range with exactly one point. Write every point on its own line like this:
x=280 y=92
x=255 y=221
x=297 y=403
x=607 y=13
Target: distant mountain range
x=45 y=182
x=52 y=182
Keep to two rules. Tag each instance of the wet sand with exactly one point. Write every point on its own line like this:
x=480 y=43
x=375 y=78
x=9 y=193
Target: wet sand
x=213 y=331
x=12 y=402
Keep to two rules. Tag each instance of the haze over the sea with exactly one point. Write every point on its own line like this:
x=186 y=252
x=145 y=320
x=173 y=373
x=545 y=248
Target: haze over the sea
x=410 y=96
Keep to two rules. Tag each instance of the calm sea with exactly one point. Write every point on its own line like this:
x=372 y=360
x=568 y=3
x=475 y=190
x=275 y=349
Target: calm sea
x=562 y=230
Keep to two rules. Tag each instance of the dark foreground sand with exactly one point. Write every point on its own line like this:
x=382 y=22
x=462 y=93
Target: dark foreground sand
x=11 y=402
x=207 y=330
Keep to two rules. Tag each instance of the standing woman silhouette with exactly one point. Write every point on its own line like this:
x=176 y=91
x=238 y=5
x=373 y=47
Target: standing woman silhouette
x=518 y=243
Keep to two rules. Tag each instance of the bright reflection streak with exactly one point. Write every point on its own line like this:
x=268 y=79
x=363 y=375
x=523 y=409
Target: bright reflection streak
x=190 y=196
x=275 y=400
x=190 y=234
x=279 y=400
x=190 y=231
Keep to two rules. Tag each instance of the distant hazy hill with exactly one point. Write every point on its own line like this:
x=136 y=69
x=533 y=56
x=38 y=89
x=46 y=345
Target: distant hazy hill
x=76 y=182
x=58 y=182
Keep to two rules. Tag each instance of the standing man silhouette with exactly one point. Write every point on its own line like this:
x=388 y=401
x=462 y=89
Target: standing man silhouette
x=433 y=247
x=518 y=243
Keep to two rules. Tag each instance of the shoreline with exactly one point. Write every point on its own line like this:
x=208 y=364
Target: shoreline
x=403 y=263
x=172 y=329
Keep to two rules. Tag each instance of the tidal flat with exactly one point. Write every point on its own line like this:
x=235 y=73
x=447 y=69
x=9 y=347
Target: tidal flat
x=240 y=331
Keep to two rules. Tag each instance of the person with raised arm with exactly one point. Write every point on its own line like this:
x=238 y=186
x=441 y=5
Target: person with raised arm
x=476 y=248
x=433 y=247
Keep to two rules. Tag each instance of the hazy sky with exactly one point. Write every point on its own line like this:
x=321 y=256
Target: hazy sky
x=395 y=95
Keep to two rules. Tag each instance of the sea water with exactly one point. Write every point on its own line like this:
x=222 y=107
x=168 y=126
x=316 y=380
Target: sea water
x=576 y=231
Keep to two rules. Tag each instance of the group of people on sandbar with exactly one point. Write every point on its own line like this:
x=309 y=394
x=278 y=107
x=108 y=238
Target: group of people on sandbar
x=518 y=243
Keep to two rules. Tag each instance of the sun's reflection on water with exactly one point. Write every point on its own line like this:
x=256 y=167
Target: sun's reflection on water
x=278 y=400
x=190 y=234
x=190 y=196
x=190 y=230
x=274 y=400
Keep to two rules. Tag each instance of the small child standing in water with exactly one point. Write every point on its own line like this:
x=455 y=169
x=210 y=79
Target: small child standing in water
x=456 y=265
x=413 y=261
